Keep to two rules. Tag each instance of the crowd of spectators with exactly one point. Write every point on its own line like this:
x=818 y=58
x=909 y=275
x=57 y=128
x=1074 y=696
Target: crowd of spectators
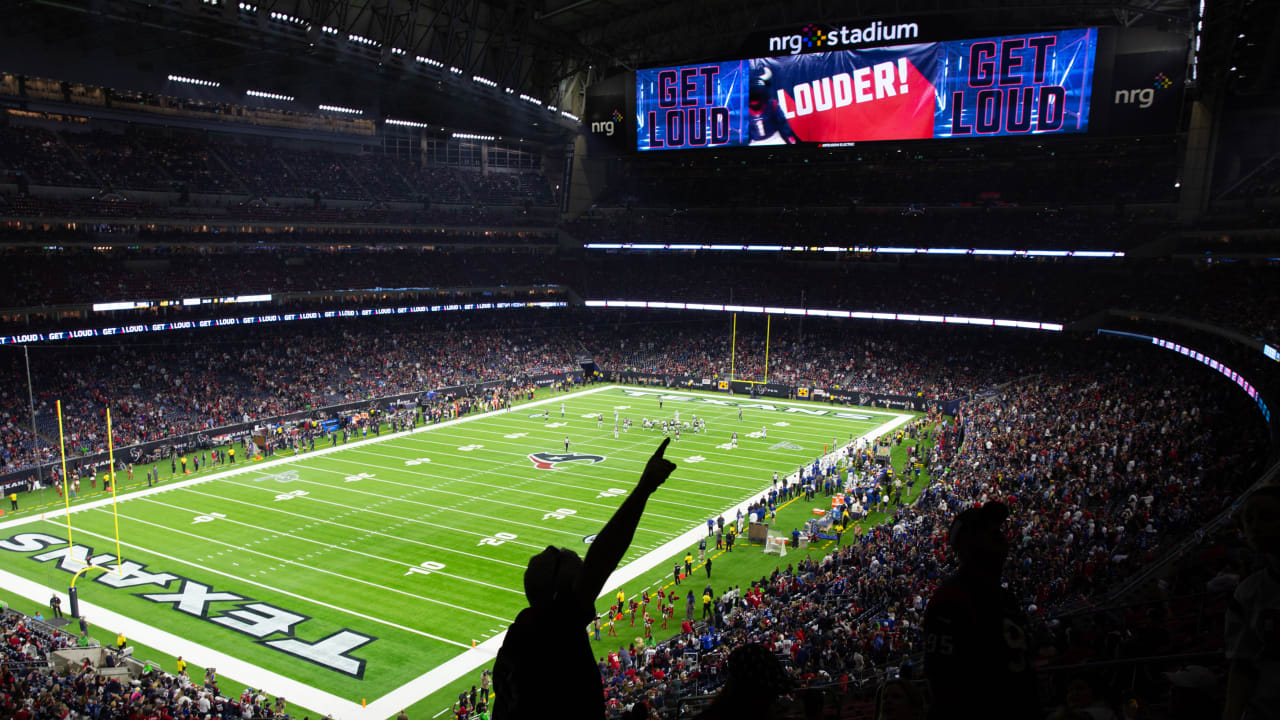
x=441 y=184
x=189 y=161
x=117 y=161
x=1231 y=295
x=1104 y=470
x=115 y=206
x=833 y=356
x=30 y=689
x=169 y=161
x=188 y=385
x=91 y=276
x=1106 y=456
x=41 y=157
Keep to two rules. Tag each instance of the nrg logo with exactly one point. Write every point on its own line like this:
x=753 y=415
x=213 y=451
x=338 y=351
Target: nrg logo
x=606 y=126
x=1144 y=97
x=811 y=37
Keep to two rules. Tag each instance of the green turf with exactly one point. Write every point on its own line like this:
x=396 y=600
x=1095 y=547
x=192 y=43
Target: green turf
x=342 y=541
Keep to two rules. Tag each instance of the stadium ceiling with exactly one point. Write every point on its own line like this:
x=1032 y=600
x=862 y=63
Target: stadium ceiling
x=636 y=32
x=467 y=63
x=460 y=63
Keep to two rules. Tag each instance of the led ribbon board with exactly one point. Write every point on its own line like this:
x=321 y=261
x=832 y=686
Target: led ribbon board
x=1203 y=359
x=29 y=338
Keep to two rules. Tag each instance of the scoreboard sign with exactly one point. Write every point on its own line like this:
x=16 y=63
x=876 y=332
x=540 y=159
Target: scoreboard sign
x=1031 y=84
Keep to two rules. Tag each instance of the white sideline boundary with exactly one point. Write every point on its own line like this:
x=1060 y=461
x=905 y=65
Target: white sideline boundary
x=416 y=689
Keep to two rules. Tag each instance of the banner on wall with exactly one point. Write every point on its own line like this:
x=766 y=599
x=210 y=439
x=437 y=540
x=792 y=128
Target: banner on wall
x=1013 y=85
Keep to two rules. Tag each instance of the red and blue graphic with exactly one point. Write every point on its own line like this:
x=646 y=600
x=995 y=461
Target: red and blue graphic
x=857 y=95
x=1022 y=84
x=691 y=107
x=1015 y=85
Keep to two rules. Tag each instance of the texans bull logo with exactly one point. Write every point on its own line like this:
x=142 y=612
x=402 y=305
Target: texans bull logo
x=551 y=461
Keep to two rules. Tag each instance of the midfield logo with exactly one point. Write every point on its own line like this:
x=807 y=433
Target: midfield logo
x=551 y=461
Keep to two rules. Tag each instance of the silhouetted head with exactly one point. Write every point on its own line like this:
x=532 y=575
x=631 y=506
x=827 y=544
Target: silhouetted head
x=551 y=575
x=977 y=536
x=1260 y=517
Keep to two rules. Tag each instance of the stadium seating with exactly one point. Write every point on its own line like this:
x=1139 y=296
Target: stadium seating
x=1085 y=515
x=1109 y=455
x=151 y=160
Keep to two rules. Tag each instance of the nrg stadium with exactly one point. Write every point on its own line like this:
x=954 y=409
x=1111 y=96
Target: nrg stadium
x=389 y=359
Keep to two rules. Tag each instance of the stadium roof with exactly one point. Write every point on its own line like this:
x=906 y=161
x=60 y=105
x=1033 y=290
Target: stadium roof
x=500 y=66
x=639 y=32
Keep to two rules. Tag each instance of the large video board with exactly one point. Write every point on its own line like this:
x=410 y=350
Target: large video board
x=1038 y=83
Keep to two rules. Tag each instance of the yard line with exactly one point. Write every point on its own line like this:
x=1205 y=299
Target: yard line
x=312 y=568
x=497 y=467
x=259 y=466
x=264 y=586
x=565 y=471
x=434 y=680
x=397 y=517
x=842 y=424
x=339 y=548
x=448 y=479
x=558 y=498
x=359 y=529
x=612 y=450
x=523 y=456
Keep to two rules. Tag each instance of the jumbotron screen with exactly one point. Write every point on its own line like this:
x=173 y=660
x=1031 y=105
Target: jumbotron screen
x=1038 y=83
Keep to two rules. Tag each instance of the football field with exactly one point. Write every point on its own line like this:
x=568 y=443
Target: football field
x=388 y=567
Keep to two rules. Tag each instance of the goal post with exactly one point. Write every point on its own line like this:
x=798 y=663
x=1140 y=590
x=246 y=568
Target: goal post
x=72 y=593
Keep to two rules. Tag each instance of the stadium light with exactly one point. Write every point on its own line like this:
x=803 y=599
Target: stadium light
x=814 y=312
x=864 y=249
x=570 y=115
x=193 y=81
x=470 y=136
x=455 y=70
x=329 y=29
x=484 y=81
x=428 y=61
x=340 y=109
x=362 y=40
x=405 y=123
x=531 y=99
x=268 y=95
x=287 y=18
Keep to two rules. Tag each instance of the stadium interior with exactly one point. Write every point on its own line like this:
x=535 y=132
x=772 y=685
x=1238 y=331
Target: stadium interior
x=266 y=227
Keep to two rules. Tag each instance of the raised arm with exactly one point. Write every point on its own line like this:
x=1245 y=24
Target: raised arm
x=611 y=544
